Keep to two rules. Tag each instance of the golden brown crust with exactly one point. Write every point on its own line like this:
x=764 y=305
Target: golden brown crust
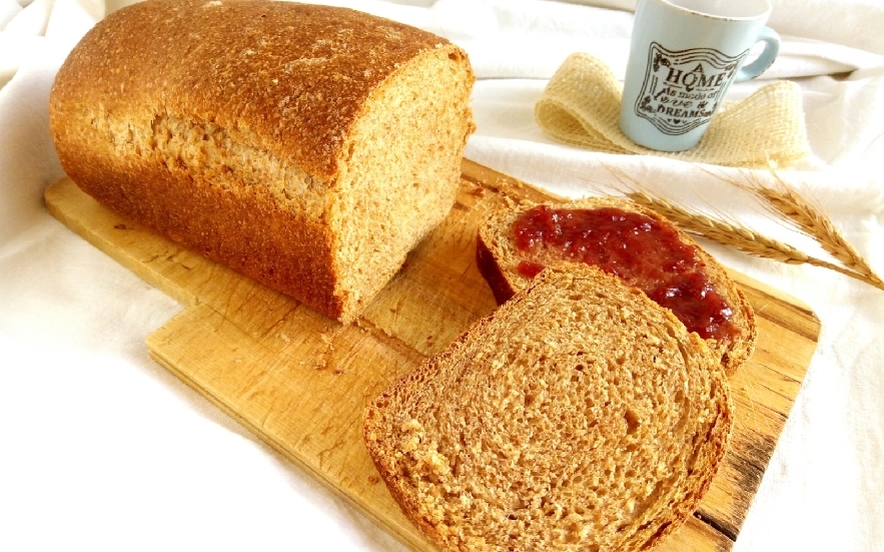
x=250 y=235
x=490 y=268
x=245 y=65
x=496 y=261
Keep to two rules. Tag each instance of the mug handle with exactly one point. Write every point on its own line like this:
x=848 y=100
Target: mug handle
x=771 y=48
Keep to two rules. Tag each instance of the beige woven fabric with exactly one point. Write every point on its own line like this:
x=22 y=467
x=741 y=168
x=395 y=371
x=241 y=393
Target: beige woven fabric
x=581 y=106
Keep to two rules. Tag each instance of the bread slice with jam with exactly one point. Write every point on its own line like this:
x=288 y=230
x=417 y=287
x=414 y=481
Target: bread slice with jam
x=579 y=415
x=634 y=243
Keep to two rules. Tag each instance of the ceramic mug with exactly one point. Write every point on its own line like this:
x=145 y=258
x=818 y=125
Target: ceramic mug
x=684 y=55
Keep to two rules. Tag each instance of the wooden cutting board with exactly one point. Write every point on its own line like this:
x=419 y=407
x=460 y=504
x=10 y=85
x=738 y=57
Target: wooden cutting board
x=299 y=380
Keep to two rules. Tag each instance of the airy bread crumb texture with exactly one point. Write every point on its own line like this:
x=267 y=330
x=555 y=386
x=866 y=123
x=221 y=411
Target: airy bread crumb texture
x=579 y=416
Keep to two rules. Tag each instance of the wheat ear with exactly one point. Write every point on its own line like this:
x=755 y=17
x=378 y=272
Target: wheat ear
x=741 y=238
x=785 y=202
x=811 y=220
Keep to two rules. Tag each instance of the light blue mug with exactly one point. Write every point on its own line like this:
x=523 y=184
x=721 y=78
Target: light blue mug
x=684 y=55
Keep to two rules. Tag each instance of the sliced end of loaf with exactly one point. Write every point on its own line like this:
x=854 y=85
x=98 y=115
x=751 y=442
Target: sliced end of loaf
x=578 y=416
x=403 y=173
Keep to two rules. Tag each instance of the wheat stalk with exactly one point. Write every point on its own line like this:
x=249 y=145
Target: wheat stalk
x=741 y=238
x=784 y=201
x=811 y=220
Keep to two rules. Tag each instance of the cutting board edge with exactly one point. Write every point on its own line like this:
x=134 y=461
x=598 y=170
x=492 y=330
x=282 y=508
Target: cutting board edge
x=410 y=539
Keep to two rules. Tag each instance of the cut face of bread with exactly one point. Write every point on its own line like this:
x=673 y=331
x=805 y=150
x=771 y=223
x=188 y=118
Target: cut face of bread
x=633 y=243
x=309 y=147
x=578 y=416
x=404 y=172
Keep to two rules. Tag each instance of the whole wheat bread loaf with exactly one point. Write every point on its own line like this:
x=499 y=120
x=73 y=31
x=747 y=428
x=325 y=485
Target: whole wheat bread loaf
x=498 y=258
x=306 y=146
x=580 y=415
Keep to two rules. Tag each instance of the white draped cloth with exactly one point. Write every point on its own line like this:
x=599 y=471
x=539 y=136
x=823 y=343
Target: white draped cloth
x=102 y=449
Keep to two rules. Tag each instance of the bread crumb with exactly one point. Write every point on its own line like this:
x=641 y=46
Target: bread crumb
x=565 y=447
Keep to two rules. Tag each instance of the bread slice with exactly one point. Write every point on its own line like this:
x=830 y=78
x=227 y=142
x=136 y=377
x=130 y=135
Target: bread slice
x=580 y=415
x=309 y=147
x=712 y=304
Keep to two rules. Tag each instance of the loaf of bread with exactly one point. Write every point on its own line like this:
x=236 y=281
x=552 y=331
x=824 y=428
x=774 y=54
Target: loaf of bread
x=308 y=147
x=635 y=243
x=580 y=415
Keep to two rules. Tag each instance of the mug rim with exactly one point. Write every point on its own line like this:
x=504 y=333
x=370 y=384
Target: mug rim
x=676 y=4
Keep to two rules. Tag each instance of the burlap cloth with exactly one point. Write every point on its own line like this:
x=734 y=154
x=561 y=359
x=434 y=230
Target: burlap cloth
x=581 y=106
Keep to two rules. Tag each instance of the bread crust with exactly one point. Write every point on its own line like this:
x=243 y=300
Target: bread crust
x=497 y=262
x=431 y=466
x=243 y=65
x=234 y=127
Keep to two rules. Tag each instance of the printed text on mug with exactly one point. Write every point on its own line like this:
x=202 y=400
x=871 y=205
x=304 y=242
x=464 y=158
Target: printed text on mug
x=682 y=89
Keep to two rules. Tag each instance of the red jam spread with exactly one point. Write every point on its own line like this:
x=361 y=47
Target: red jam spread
x=640 y=250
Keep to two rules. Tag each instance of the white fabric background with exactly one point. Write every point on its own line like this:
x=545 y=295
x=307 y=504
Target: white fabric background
x=102 y=449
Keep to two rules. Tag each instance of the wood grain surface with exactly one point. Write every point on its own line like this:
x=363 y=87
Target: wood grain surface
x=299 y=381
